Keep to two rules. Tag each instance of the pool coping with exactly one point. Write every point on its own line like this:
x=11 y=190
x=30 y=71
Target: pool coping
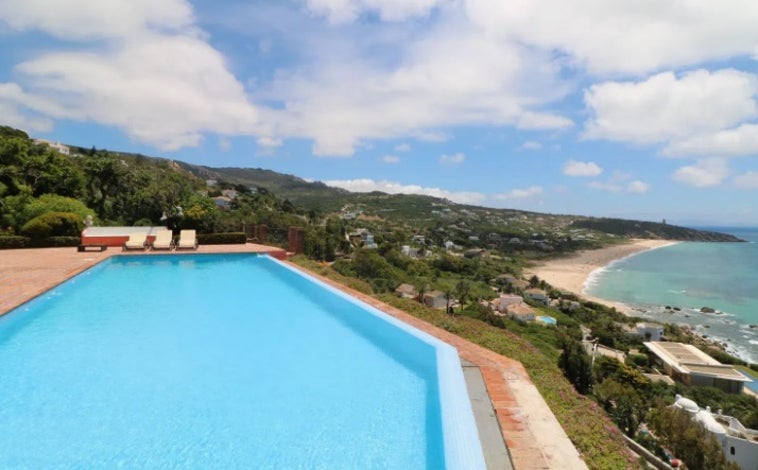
x=532 y=434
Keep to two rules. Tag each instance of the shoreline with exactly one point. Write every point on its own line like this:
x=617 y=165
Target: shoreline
x=573 y=273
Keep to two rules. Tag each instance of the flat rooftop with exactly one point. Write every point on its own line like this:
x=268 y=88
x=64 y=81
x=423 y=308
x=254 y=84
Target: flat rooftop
x=687 y=359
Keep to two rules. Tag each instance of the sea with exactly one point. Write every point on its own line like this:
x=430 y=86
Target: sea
x=686 y=277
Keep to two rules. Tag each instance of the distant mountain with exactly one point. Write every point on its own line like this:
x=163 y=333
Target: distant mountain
x=427 y=211
x=640 y=229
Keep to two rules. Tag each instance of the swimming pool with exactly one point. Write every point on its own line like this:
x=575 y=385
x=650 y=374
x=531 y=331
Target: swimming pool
x=224 y=361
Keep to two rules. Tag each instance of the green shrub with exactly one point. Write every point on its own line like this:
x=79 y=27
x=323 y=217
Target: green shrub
x=13 y=241
x=639 y=360
x=53 y=203
x=229 y=238
x=54 y=224
x=51 y=242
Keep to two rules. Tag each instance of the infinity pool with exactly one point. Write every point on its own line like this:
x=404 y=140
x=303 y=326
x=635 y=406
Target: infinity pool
x=223 y=361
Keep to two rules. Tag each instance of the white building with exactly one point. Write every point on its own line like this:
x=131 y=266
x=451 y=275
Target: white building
x=739 y=444
x=504 y=301
x=687 y=364
x=59 y=147
x=647 y=331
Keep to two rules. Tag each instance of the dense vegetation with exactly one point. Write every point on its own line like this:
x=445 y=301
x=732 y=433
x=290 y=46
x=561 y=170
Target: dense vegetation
x=45 y=194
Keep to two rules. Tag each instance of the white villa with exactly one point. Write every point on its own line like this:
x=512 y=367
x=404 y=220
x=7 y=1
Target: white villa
x=739 y=444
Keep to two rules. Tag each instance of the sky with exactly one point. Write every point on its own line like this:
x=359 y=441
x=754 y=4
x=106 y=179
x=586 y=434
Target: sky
x=627 y=108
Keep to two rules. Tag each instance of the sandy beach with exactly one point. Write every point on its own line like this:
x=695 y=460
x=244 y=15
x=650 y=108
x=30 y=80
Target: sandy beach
x=572 y=272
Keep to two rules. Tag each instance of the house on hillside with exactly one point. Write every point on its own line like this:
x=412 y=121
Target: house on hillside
x=406 y=291
x=537 y=295
x=687 y=364
x=436 y=299
x=738 y=443
x=504 y=301
x=648 y=331
x=521 y=312
x=57 y=146
x=230 y=193
x=222 y=202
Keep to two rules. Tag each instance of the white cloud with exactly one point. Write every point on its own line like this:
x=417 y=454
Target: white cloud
x=665 y=106
x=342 y=11
x=367 y=185
x=638 y=187
x=581 y=169
x=128 y=81
x=530 y=145
x=524 y=193
x=706 y=173
x=134 y=88
x=12 y=98
x=403 y=148
x=742 y=140
x=391 y=159
x=619 y=182
x=96 y=19
x=269 y=142
x=747 y=180
x=446 y=76
x=625 y=36
x=454 y=159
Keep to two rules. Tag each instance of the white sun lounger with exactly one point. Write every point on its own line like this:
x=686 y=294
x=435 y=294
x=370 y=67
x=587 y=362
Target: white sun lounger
x=137 y=241
x=187 y=239
x=164 y=240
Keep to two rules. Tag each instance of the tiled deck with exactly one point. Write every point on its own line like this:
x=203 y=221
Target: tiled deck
x=534 y=437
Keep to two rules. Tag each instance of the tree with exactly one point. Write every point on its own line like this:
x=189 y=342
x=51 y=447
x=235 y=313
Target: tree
x=623 y=404
x=463 y=290
x=576 y=365
x=687 y=439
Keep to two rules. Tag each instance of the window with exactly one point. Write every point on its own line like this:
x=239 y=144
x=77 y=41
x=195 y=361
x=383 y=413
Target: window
x=731 y=450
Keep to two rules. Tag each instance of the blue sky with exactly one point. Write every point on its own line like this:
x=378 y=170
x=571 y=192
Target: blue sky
x=628 y=108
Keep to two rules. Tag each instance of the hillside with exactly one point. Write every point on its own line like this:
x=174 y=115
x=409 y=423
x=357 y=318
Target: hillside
x=430 y=212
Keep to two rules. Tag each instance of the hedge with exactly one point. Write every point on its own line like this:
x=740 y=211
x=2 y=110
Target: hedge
x=14 y=241
x=51 y=242
x=229 y=238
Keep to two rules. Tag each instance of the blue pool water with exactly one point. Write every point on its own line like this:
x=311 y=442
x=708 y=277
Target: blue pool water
x=218 y=361
x=547 y=320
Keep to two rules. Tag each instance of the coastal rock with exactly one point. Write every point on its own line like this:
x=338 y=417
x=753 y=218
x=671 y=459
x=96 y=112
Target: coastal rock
x=707 y=310
x=753 y=326
x=677 y=309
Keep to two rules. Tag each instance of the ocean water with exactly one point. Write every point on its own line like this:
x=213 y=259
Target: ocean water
x=689 y=276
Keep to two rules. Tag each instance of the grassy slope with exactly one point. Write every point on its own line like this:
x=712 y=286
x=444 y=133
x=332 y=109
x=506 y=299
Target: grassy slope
x=586 y=424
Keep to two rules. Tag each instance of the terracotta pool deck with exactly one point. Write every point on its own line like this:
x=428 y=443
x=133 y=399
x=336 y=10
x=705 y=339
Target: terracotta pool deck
x=533 y=435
